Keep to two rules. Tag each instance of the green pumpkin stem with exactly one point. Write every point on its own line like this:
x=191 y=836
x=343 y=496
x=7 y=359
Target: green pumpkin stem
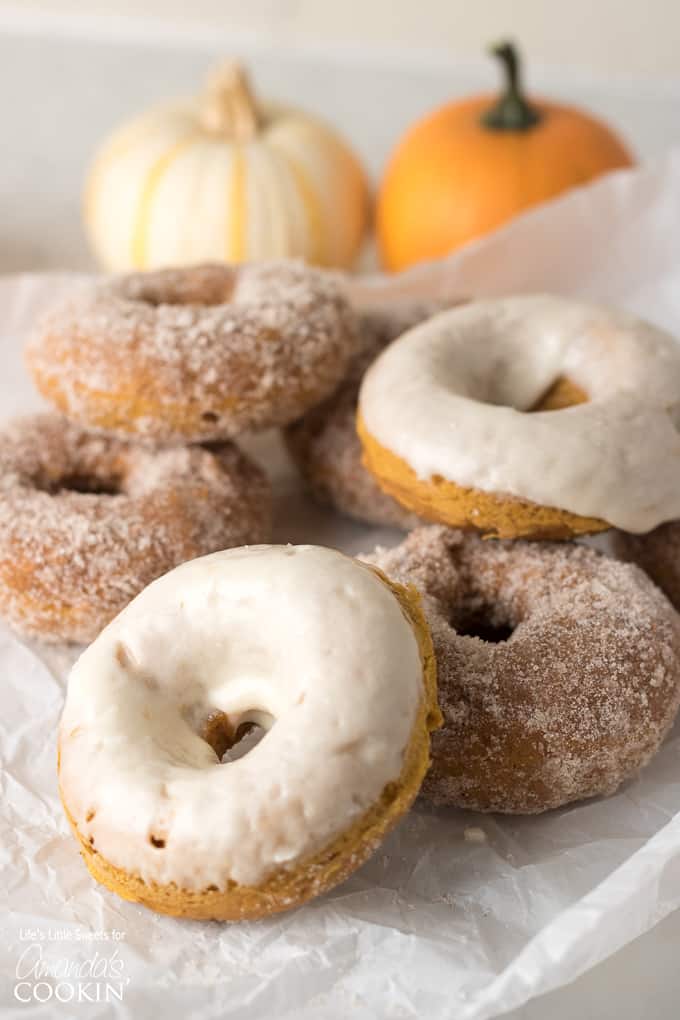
x=512 y=112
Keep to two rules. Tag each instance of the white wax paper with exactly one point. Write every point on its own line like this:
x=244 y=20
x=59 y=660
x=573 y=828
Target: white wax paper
x=458 y=915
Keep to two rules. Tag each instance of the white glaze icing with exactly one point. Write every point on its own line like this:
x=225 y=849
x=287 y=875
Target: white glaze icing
x=303 y=634
x=449 y=397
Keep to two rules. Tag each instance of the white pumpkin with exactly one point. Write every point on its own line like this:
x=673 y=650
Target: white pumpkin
x=224 y=178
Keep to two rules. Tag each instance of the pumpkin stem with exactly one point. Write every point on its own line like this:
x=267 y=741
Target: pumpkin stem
x=228 y=107
x=512 y=112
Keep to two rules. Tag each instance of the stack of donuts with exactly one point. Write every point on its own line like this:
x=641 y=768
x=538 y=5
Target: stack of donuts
x=514 y=423
x=489 y=661
x=152 y=377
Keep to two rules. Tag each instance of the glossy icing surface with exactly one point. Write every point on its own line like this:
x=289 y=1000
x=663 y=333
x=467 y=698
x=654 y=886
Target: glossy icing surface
x=451 y=397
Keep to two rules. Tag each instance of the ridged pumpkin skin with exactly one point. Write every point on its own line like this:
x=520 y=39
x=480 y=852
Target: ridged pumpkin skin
x=165 y=190
x=452 y=179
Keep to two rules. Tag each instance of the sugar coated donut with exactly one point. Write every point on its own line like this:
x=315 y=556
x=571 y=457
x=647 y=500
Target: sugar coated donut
x=444 y=425
x=199 y=353
x=558 y=668
x=658 y=553
x=329 y=658
x=324 y=444
x=87 y=521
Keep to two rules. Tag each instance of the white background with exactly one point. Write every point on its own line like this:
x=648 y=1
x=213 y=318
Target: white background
x=603 y=36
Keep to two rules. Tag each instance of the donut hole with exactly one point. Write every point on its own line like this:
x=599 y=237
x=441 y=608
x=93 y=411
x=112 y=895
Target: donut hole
x=219 y=733
x=248 y=735
x=485 y=630
x=475 y=617
x=499 y=391
x=231 y=742
x=203 y=286
x=81 y=478
x=88 y=485
x=561 y=394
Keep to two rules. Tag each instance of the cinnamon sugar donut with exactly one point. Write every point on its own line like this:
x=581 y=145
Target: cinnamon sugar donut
x=658 y=553
x=195 y=354
x=332 y=661
x=444 y=423
x=87 y=521
x=558 y=668
x=324 y=444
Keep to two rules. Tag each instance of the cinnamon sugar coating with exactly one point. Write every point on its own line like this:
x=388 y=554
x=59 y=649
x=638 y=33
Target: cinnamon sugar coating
x=195 y=354
x=658 y=553
x=87 y=521
x=324 y=444
x=571 y=685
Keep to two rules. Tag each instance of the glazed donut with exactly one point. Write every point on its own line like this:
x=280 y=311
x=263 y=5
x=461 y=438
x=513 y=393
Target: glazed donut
x=195 y=354
x=558 y=668
x=444 y=425
x=658 y=553
x=87 y=521
x=324 y=444
x=328 y=657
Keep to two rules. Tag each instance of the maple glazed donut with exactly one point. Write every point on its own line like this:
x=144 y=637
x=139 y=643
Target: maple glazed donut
x=86 y=521
x=194 y=354
x=335 y=664
x=324 y=444
x=444 y=423
x=558 y=668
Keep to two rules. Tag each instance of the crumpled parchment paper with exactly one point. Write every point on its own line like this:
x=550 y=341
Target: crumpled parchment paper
x=458 y=915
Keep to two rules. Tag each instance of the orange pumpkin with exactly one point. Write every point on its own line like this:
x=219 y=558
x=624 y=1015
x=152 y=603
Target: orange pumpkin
x=473 y=164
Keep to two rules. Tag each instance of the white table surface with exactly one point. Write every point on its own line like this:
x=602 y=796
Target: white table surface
x=61 y=93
